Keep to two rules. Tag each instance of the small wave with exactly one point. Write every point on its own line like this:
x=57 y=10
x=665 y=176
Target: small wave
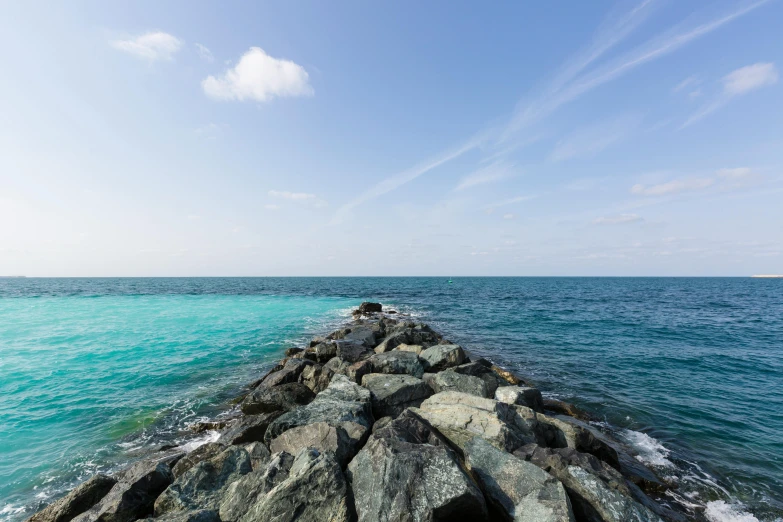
x=650 y=451
x=721 y=511
x=210 y=436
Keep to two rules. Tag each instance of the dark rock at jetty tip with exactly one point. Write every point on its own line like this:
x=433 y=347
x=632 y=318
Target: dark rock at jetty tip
x=79 y=500
x=284 y=397
x=367 y=308
x=249 y=429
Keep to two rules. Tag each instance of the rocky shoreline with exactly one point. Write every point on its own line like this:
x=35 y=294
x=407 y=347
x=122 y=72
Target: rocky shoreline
x=384 y=420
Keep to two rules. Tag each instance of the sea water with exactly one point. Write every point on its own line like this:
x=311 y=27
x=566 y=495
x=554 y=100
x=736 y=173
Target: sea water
x=688 y=371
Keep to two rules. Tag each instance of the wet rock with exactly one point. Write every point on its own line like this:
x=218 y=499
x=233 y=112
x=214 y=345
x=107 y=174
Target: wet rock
x=415 y=348
x=517 y=489
x=442 y=356
x=202 y=515
x=241 y=494
x=391 y=394
x=77 y=501
x=321 y=436
x=250 y=428
x=507 y=375
x=201 y=427
x=278 y=398
x=566 y=408
x=453 y=381
x=316 y=377
x=522 y=395
x=397 y=363
x=582 y=437
x=288 y=373
x=290 y=352
x=202 y=486
x=203 y=452
x=315 y=491
x=133 y=496
x=369 y=308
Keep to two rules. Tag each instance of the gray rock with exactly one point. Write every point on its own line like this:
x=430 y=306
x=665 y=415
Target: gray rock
x=321 y=352
x=415 y=348
x=320 y=436
x=316 y=377
x=519 y=490
x=522 y=395
x=278 y=398
x=368 y=307
x=407 y=472
x=203 y=452
x=363 y=335
x=573 y=433
x=250 y=428
x=342 y=404
x=397 y=363
x=202 y=515
x=391 y=394
x=77 y=501
x=202 y=486
x=133 y=496
x=337 y=365
x=358 y=370
x=352 y=352
x=483 y=372
x=315 y=491
x=407 y=333
x=442 y=356
x=259 y=454
x=288 y=373
x=242 y=494
x=452 y=381
x=290 y=352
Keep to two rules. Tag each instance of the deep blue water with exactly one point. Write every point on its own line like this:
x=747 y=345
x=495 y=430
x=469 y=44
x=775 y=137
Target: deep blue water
x=688 y=370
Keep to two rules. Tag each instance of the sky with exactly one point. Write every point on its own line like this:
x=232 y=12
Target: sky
x=190 y=138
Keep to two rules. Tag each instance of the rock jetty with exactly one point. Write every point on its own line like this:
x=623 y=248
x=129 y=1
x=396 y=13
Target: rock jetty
x=383 y=420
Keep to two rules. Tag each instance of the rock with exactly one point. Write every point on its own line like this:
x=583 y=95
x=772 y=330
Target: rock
x=363 y=335
x=406 y=471
x=453 y=381
x=202 y=486
x=133 y=496
x=566 y=408
x=352 y=352
x=321 y=436
x=460 y=417
x=259 y=454
x=77 y=501
x=483 y=372
x=415 y=348
x=250 y=428
x=278 y=398
x=241 y=494
x=342 y=404
x=522 y=395
x=316 y=378
x=290 y=352
x=202 y=515
x=397 y=363
x=201 y=427
x=582 y=437
x=315 y=491
x=521 y=491
x=288 y=373
x=407 y=333
x=442 y=356
x=507 y=375
x=369 y=308
x=358 y=370
x=321 y=353
x=203 y=452
x=391 y=394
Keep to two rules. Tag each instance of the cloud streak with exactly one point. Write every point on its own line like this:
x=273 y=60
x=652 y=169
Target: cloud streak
x=497 y=171
x=152 y=46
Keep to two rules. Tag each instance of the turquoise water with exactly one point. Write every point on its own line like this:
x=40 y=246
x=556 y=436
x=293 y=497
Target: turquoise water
x=689 y=371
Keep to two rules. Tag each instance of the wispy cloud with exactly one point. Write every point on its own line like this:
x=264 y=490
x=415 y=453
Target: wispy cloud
x=495 y=172
x=735 y=173
x=294 y=196
x=738 y=83
x=672 y=187
x=259 y=77
x=204 y=53
x=152 y=46
x=594 y=138
x=688 y=83
x=622 y=219
x=489 y=209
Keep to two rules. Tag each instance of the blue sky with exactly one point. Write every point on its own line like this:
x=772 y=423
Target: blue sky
x=407 y=138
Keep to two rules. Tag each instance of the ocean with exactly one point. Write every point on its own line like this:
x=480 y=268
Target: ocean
x=95 y=372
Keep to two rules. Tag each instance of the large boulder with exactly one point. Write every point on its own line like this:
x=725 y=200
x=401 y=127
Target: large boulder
x=352 y=351
x=483 y=372
x=391 y=394
x=259 y=454
x=364 y=335
x=321 y=352
x=203 y=452
x=452 y=381
x=442 y=356
x=77 y=501
x=278 y=398
x=250 y=428
x=460 y=417
x=397 y=363
x=406 y=471
x=288 y=373
x=407 y=333
x=415 y=348
x=578 y=435
x=202 y=486
x=314 y=491
x=342 y=404
x=323 y=437
x=522 y=395
x=133 y=496
x=242 y=494
x=316 y=377
x=518 y=490
x=369 y=308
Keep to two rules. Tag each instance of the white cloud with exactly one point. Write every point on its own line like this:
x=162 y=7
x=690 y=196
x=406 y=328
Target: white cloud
x=294 y=196
x=259 y=77
x=672 y=187
x=494 y=172
x=622 y=219
x=749 y=78
x=508 y=216
x=152 y=46
x=735 y=173
x=594 y=138
x=690 y=81
x=204 y=52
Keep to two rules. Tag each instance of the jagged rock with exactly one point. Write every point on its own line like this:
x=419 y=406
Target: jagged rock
x=241 y=494
x=364 y=335
x=134 y=494
x=352 y=352
x=358 y=370
x=442 y=356
x=278 y=398
x=337 y=365
x=202 y=515
x=391 y=394
x=453 y=381
x=582 y=437
x=415 y=348
x=290 y=352
x=343 y=403
x=406 y=471
x=259 y=454
x=200 y=427
x=202 y=486
x=203 y=452
x=321 y=352
x=566 y=408
x=407 y=333
x=250 y=428
x=368 y=308
x=598 y=492
x=507 y=375
x=517 y=489
x=77 y=501
x=316 y=377
x=460 y=417
x=315 y=491
x=522 y=395
x=483 y=372
x=321 y=436
x=288 y=373
x=397 y=363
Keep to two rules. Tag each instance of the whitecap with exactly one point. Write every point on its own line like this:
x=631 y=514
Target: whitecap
x=210 y=436
x=649 y=450
x=721 y=511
